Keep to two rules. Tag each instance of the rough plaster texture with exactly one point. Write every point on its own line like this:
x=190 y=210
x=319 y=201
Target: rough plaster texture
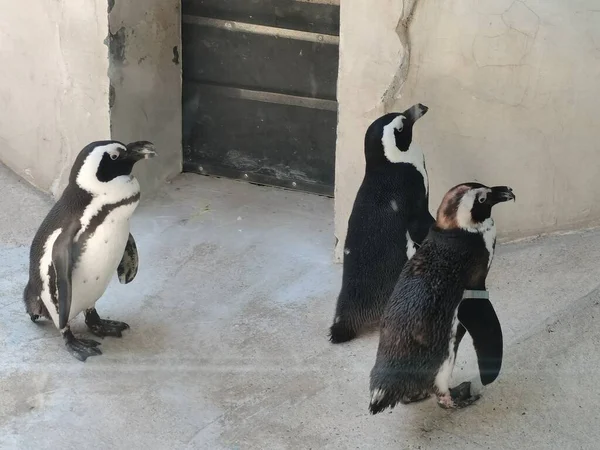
x=511 y=86
x=53 y=86
x=228 y=343
x=145 y=74
x=56 y=88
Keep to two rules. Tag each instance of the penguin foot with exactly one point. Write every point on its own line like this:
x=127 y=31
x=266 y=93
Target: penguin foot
x=458 y=397
x=445 y=401
x=108 y=328
x=422 y=396
x=34 y=317
x=340 y=332
x=461 y=395
x=81 y=348
x=102 y=327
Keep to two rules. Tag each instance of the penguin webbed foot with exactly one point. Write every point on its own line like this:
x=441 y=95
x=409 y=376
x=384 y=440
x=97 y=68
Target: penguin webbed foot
x=81 y=348
x=458 y=397
x=111 y=328
x=417 y=398
x=103 y=327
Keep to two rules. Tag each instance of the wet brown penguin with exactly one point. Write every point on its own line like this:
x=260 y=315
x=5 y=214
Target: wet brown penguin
x=418 y=332
x=389 y=218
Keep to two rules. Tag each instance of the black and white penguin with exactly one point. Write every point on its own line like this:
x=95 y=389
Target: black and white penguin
x=390 y=217
x=84 y=239
x=418 y=334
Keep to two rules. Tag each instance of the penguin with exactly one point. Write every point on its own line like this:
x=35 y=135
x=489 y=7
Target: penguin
x=389 y=219
x=418 y=333
x=84 y=239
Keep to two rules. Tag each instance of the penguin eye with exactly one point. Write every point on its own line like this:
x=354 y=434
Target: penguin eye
x=482 y=199
x=114 y=156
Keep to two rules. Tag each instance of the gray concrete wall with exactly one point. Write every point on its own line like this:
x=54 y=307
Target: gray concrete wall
x=512 y=88
x=53 y=86
x=145 y=77
x=58 y=91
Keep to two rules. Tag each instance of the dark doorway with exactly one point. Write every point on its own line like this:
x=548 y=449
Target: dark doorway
x=259 y=90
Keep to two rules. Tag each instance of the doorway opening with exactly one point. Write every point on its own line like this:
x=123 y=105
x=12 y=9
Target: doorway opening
x=259 y=91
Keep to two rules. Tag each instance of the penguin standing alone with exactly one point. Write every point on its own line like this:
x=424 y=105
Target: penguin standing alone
x=84 y=239
x=418 y=333
x=389 y=218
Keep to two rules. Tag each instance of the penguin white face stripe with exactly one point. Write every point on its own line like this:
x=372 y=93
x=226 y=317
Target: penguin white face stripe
x=487 y=228
x=87 y=177
x=45 y=266
x=464 y=218
x=391 y=151
x=413 y=155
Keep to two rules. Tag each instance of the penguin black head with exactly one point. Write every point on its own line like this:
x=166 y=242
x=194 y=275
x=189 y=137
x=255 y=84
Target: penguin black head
x=467 y=206
x=388 y=139
x=107 y=163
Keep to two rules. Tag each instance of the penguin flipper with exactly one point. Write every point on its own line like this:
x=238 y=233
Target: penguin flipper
x=62 y=262
x=479 y=318
x=419 y=227
x=128 y=266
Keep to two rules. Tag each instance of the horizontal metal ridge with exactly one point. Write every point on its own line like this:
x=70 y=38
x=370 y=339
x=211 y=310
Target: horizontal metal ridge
x=243 y=27
x=321 y=2
x=269 y=97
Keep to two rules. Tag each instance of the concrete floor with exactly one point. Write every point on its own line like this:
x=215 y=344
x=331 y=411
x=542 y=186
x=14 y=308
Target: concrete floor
x=228 y=343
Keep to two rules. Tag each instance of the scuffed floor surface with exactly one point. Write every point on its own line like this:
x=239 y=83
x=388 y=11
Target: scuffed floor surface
x=228 y=343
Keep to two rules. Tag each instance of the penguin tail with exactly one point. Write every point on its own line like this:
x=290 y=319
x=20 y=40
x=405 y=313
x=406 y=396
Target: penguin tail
x=393 y=384
x=385 y=387
x=34 y=305
x=341 y=332
x=381 y=399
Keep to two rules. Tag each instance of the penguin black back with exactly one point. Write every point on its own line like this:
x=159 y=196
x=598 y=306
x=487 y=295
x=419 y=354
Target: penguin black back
x=389 y=217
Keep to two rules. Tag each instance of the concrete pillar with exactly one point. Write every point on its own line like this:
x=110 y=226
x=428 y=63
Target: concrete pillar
x=54 y=87
x=145 y=78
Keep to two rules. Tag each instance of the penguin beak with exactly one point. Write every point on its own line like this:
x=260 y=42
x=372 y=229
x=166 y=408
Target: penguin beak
x=501 y=194
x=139 y=150
x=415 y=112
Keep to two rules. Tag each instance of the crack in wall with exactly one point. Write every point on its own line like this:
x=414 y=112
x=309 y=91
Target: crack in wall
x=403 y=31
x=116 y=43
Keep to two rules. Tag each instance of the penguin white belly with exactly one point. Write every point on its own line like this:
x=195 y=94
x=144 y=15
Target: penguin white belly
x=100 y=258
